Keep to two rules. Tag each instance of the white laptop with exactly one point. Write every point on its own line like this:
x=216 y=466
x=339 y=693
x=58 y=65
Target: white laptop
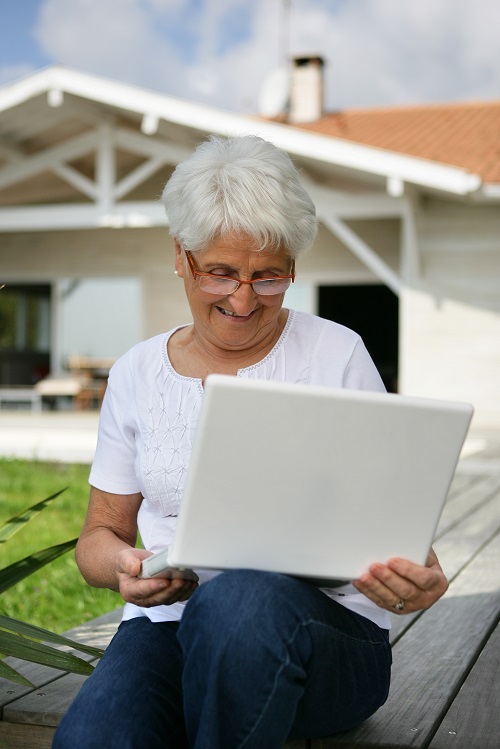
x=315 y=482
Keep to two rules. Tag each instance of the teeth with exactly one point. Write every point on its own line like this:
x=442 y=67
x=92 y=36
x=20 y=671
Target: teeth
x=231 y=314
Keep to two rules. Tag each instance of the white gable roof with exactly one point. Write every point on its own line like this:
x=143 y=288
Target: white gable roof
x=154 y=107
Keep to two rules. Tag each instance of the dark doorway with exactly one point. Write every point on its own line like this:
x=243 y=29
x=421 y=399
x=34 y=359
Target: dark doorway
x=24 y=333
x=373 y=312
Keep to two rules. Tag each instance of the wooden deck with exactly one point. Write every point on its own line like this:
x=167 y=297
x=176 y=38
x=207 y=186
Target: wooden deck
x=446 y=660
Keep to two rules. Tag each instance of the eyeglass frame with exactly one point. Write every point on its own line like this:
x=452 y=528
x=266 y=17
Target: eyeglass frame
x=237 y=281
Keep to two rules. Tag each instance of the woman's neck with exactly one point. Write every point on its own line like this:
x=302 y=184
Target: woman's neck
x=191 y=355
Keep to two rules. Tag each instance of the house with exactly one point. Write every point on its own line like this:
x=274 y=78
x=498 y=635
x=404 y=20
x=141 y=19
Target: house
x=408 y=251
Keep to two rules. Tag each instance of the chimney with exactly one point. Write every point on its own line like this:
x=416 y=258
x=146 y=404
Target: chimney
x=306 y=95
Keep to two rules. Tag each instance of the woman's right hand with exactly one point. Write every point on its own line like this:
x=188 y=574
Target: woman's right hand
x=107 y=557
x=153 y=591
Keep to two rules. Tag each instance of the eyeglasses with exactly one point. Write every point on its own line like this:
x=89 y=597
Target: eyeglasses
x=225 y=285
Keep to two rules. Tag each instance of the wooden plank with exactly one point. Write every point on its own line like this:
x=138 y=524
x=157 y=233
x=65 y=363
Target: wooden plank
x=38 y=675
x=472 y=720
x=462 y=542
x=15 y=736
x=432 y=660
x=456 y=548
x=462 y=482
x=45 y=706
x=455 y=510
x=97 y=633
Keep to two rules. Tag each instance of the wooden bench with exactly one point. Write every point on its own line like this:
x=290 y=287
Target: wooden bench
x=446 y=660
x=19 y=394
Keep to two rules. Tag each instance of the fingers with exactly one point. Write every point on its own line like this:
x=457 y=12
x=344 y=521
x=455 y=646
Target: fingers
x=399 y=582
x=385 y=589
x=128 y=561
x=155 y=591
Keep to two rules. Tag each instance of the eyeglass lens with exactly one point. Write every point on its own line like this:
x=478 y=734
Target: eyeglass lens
x=264 y=287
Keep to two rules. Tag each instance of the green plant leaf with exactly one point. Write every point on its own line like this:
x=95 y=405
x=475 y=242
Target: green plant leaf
x=17 y=571
x=44 y=635
x=36 y=652
x=6 y=672
x=15 y=523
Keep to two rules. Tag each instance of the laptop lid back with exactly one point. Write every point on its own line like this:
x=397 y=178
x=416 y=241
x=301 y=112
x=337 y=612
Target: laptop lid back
x=312 y=481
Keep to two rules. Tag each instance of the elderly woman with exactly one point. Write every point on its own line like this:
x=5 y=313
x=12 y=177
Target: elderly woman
x=242 y=658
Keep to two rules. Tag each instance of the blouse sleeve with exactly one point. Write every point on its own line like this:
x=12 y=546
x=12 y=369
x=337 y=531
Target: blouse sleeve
x=360 y=372
x=340 y=358
x=113 y=469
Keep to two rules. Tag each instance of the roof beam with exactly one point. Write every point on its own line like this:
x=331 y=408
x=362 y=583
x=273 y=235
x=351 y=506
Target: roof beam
x=40 y=162
x=82 y=183
x=352 y=205
x=410 y=252
x=105 y=168
x=103 y=141
x=150 y=124
x=137 y=214
x=143 y=145
x=10 y=154
x=363 y=251
x=395 y=187
x=137 y=176
x=55 y=97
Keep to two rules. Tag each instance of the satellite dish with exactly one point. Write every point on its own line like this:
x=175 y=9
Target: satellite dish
x=274 y=92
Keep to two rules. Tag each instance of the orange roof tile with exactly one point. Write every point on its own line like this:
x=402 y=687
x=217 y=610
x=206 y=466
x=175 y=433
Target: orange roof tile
x=465 y=135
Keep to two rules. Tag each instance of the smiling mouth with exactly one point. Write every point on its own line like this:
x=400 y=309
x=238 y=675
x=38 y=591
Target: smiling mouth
x=228 y=313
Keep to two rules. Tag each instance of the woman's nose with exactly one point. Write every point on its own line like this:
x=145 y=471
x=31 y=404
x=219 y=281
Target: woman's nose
x=243 y=299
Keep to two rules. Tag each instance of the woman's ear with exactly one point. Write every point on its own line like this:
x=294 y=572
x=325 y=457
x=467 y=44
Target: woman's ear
x=179 y=261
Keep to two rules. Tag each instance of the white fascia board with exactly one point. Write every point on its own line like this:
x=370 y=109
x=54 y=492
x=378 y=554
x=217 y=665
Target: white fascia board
x=373 y=160
x=17 y=93
x=491 y=191
x=208 y=119
x=348 y=205
x=136 y=214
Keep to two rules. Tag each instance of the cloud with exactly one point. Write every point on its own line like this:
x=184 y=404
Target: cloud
x=391 y=52
x=115 y=38
x=378 y=52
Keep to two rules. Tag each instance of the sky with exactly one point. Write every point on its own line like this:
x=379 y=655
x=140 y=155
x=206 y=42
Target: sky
x=221 y=52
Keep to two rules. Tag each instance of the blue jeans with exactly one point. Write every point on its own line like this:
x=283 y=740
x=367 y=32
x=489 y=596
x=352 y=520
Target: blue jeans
x=257 y=658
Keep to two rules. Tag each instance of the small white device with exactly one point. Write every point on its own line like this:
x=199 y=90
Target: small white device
x=157 y=565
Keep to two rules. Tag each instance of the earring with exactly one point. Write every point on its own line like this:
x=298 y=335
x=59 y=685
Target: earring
x=176 y=272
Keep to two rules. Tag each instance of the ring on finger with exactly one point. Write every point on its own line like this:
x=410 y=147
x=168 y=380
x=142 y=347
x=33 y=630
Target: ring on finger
x=399 y=606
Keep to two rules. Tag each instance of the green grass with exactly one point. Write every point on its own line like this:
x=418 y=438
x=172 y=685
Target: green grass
x=56 y=597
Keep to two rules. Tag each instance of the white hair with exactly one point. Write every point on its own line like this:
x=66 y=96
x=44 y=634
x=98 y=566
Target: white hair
x=243 y=185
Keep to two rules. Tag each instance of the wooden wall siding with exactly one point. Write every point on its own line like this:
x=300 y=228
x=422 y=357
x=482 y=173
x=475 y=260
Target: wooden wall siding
x=330 y=262
x=147 y=254
x=164 y=301
x=450 y=319
x=460 y=248
x=452 y=350
x=89 y=252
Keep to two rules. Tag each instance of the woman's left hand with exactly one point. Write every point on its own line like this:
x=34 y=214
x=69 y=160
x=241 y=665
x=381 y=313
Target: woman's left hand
x=401 y=586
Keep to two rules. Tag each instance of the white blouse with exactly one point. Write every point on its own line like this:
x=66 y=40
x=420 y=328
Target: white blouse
x=150 y=413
